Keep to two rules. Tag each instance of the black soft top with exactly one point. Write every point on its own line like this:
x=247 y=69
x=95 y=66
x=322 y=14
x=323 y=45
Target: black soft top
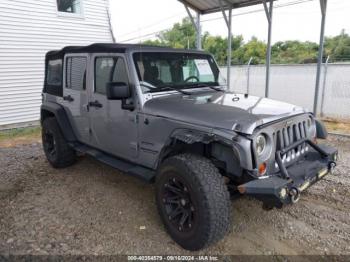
x=114 y=48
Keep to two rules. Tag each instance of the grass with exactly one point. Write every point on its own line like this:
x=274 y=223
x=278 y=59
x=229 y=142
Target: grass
x=336 y=126
x=17 y=136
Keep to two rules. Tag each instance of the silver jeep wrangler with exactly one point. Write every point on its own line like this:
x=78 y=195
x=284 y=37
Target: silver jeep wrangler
x=165 y=116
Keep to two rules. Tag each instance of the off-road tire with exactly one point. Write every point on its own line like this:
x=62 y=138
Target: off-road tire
x=208 y=193
x=57 y=151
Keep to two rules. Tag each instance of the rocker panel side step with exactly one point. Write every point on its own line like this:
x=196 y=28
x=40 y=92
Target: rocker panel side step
x=143 y=173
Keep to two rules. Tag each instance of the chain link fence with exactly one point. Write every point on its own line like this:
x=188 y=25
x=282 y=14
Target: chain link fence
x=296 y=84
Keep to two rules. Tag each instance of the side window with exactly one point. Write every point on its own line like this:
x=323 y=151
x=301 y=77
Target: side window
x=54 y=72
x=76 y=73
x=109 y=69
x=69 y=6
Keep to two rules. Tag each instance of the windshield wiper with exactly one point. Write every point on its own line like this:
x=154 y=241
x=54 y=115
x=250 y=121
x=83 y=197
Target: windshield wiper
x=205 y=85
x=175 y=89
x=154 y=88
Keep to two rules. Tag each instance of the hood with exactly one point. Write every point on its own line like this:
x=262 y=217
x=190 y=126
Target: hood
x=221 y=110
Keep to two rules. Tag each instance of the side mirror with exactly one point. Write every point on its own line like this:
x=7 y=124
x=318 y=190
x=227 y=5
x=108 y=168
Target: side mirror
x=118 y=91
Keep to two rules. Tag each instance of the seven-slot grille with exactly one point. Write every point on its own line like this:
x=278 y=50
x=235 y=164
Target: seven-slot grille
x=289 y=135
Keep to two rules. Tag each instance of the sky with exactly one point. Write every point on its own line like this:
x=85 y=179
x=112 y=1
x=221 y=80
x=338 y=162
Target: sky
x=138 y=20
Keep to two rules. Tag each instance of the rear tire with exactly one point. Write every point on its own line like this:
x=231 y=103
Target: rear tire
x=57 y=151
x=193 y=201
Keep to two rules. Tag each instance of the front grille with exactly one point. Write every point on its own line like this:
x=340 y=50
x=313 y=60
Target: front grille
x=289 y=135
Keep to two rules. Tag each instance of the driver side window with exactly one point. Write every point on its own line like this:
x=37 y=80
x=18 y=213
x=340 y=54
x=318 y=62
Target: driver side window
x=109 y=69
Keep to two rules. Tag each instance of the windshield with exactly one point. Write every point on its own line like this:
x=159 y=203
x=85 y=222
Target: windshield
x=165 y=71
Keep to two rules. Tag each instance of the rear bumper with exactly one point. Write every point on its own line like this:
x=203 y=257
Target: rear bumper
x=286 y=186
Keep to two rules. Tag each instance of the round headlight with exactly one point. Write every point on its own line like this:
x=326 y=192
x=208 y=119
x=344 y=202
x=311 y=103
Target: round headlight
x=260 y=144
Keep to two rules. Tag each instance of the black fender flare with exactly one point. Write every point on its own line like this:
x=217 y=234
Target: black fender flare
x=321 y=130
x=192 y=136
x=61 y=117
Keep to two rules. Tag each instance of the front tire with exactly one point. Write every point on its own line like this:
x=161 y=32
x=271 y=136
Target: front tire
x=57 y=151
x=193 y=201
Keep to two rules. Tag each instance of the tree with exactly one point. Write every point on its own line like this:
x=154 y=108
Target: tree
x=338 y=47
x=183 y=35
x=295 y=52
x=254 y=48
x=218 y=46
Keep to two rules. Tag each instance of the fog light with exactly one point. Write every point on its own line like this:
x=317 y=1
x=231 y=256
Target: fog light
x=262 y=169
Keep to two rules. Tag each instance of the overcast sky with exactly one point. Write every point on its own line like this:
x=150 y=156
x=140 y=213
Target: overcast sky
x=136 y=20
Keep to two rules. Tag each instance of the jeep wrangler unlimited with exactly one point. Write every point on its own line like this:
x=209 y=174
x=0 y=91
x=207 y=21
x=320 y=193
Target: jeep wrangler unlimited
x=165 y=116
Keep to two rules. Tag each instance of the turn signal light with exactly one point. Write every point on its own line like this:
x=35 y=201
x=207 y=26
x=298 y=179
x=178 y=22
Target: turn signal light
x=262 y=169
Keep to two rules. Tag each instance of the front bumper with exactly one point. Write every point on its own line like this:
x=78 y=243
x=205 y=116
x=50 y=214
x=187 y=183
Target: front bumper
x=286 y=186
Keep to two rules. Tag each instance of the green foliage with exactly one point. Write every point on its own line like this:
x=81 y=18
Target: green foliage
x=254 y=48
x=294 y=52
x=19 y=132
x=218 y=46
x=338 y=47
x=183 y=35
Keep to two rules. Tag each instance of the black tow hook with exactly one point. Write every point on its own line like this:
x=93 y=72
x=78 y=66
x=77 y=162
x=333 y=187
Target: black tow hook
x=294 y=194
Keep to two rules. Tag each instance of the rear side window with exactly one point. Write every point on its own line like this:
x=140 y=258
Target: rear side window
x=54 y=72
x=76 y=73
x=109 y=69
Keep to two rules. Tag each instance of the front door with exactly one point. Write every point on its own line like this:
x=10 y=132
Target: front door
x=75 y=96
x=113 y=129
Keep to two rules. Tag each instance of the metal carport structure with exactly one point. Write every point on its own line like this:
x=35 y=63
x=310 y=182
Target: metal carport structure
x=203 y=7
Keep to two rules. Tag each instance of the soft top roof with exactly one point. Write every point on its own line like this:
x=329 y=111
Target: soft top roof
x=114 y=48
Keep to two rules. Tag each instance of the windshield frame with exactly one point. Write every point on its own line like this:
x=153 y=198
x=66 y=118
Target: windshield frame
x=166 y=87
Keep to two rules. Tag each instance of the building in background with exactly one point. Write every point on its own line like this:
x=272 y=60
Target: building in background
x=28 y=29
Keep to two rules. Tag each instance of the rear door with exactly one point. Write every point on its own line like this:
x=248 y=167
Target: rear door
x=113 y=129
x=75 y=96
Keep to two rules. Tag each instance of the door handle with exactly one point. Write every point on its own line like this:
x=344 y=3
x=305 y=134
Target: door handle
x=96 y=104
x=68 y=98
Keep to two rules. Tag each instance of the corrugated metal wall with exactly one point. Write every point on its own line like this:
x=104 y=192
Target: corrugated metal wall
x=28 y=29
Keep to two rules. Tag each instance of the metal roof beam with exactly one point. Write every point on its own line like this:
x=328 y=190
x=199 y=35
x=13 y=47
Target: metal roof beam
x=187 y=4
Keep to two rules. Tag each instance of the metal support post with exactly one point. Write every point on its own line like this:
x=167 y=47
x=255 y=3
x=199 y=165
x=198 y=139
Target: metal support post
x=228 y=20
x=248 y=75
x=324 y=85
x=269 y=12
x=199 y=32
x=323 y=4
x=197 y=25
x=229 y=49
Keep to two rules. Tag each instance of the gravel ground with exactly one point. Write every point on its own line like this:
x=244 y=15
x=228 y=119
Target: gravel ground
x=90 y=208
